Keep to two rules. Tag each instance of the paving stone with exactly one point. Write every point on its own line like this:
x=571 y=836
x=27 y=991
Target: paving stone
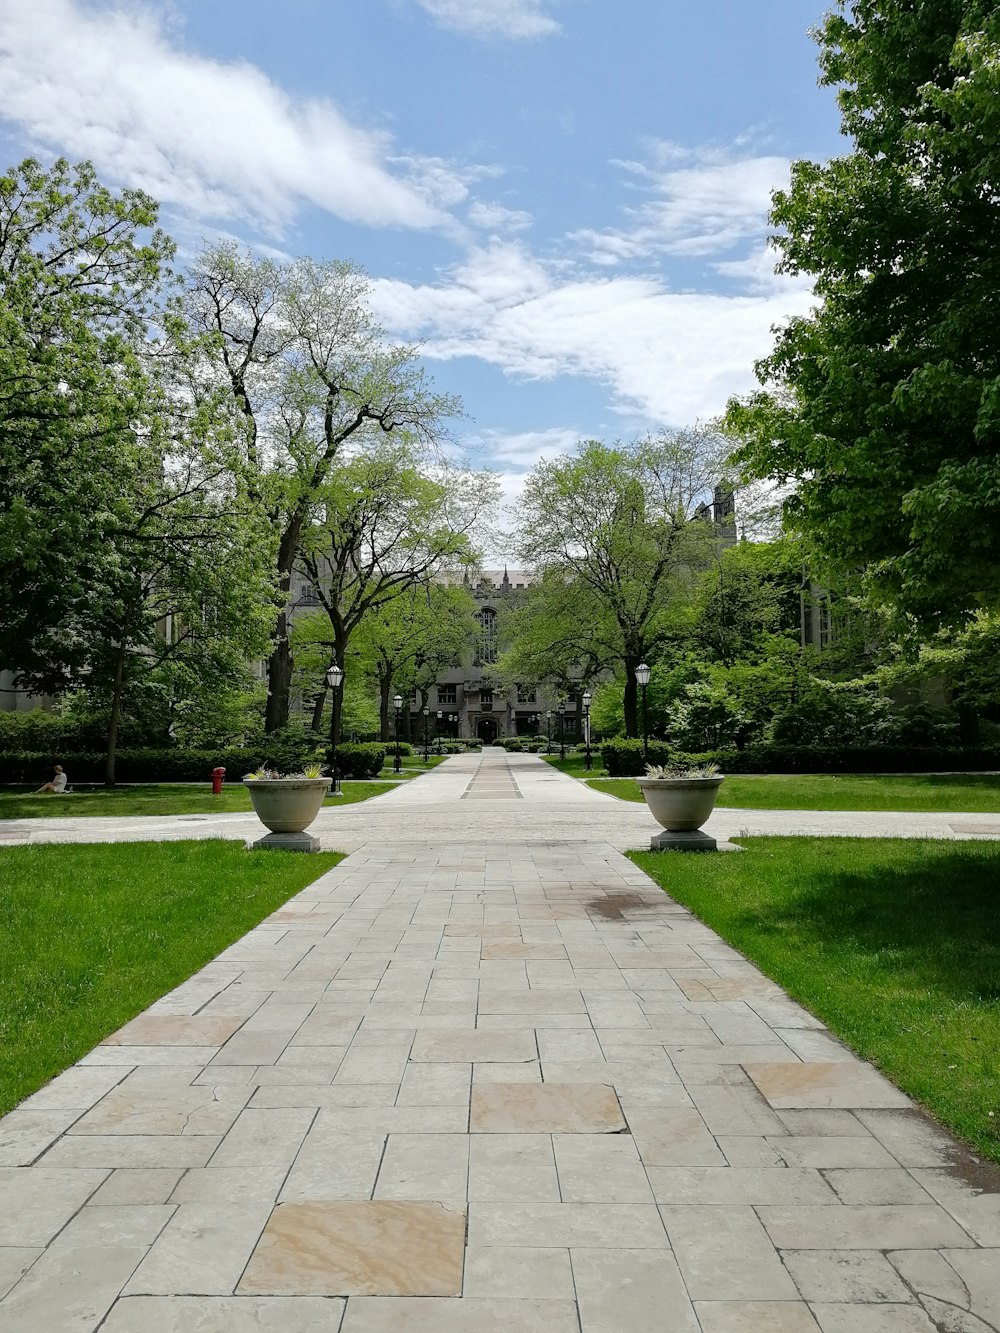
x=436 y=1085
x=672 y=1137
x=359 y=1248
x=566 y=1225
x=911 y=1137
x=830 y=1151
x=906 y=1226
x=755 y=1317
x=223 y=1314
x=175 y=1030
x=595 y=1168
x=828 y=1085
x=725 y=1254
x=37 y=1202
x=80 y=1087
x=873 y=1319
x=432 y=1167
x=533 y=1274
x=380 y=1315
x=631 y=1291
x=460 y=1047
x=725 y=1186
x=202 y=1251
x=120 y=1150
x=545 y=1108
x=236 y=1185
x=889 y=1186
x=25 y=1134
x=137 y=1185
x=69 y=1290
x=512 y=1168
x=134 y=1110
x=15 y=1262
x=976 y=1210
x=264 y=1138
x=860 y=1276
x=979 y=1271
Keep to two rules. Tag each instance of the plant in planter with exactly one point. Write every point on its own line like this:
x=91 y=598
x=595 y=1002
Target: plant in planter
x=681 y=798
x=287 y=805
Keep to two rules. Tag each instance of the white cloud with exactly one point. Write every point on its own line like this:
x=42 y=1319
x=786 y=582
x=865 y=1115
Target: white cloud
x=670 y=357
x=218 y=139
x=492 y=18
x=698 y=202
x=496 y=218
x=523 y=449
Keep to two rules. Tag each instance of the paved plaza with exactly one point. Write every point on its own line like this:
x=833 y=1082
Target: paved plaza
x=485 y=1077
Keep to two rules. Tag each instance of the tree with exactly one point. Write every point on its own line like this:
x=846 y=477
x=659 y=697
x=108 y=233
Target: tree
x=311 y=375
x=556 y=636
x=627 y=526
x=388 y=524
x=883 y=405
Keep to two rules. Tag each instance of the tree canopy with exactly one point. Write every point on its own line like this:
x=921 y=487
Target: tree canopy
x=882 y=407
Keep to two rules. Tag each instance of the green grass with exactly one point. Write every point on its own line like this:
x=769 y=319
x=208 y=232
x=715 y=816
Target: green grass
x=162 y=798
x=975 y=793
x=91 y=935
x=894 y=944
x=576 y=764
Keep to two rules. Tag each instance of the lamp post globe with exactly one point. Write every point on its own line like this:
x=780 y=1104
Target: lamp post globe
x=642 y=674
x=334 y=679
x=587 y=696
x=397 y=763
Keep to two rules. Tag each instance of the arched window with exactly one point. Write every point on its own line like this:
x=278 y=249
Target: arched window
x=487 y=635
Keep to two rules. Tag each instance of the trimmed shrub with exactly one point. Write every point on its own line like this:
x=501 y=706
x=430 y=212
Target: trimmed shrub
x=362 y=760
x=130 y=765
x=623 y=758
x=849 y=759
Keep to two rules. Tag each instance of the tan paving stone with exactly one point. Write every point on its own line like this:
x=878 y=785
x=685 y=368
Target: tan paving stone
x=725 y=1254
x=755 y=1317
x=828 y=1085
x=545 y=1108
x=223 y=1314
x=382 y=1315
x=175 y=1030
x=533 y=1274
x=359 y=1248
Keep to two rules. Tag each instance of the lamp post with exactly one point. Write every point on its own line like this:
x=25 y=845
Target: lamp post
x=548 y=731
x=397 y=763
x=334 y=678
x=437 y=737
x=642 y=676
x=586 y=723
x=427 y=752
x=562 y=731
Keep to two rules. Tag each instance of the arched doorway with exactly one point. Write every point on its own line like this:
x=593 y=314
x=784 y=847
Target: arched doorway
x=486 y=730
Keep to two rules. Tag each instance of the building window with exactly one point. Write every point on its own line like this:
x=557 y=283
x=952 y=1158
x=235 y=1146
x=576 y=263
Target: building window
x=447 y=694
x=486 y=699
x=525 y=694
x=310 y=595
x=487 y=635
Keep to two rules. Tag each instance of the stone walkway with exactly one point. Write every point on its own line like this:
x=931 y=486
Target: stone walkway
x=486 y=1085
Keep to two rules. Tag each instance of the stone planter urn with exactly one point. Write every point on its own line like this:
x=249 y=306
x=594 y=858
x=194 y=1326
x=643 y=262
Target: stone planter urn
x=287 y=806
x=681 y=806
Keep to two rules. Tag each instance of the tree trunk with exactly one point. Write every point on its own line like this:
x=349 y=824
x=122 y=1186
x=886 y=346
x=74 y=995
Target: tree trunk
x=384 y=690
x=280 y=663
x=631 y=698
x=968 y=725
x=318 y=705
x=116 y=712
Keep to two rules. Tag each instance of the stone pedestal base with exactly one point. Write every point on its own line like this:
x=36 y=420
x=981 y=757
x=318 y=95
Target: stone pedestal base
x=674 y=840
x=286 y=842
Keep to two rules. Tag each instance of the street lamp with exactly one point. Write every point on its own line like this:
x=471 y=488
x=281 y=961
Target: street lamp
x=427 y=753
x=548 y=731
x=642 y=676
x=586 y=722
x=397 y=763
x=437 y=737
x=334 y=678
x=562 y=731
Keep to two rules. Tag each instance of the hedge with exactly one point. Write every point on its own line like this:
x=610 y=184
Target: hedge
x=361 y=760
x=624 y=758
x=130 y=765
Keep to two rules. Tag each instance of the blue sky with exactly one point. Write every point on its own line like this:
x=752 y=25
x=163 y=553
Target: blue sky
x=564 y=201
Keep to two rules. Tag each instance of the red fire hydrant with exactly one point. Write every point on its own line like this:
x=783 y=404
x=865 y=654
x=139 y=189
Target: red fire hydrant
x=217 y=775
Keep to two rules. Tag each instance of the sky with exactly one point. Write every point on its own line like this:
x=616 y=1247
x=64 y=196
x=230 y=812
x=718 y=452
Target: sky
x=563 y=201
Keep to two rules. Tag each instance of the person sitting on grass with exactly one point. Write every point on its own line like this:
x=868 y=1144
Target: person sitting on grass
x=58 y=783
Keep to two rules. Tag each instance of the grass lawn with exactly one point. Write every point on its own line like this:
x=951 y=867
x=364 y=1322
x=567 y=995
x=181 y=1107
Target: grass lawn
x=894 y=944
x=160 y=798
x=90 y=935
x=576 y=764
x=970 y=792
